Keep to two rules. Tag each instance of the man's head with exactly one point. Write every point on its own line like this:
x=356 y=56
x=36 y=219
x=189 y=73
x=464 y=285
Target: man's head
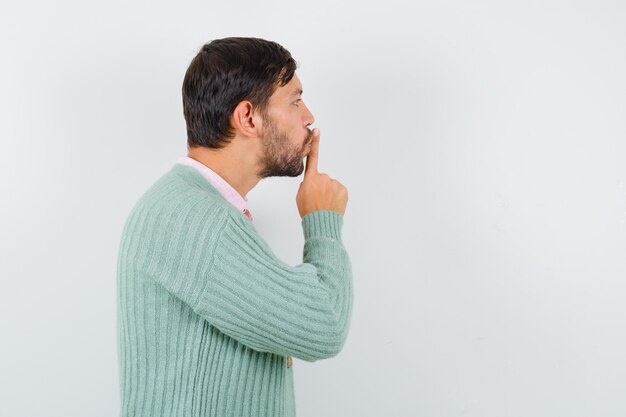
x=247 y=88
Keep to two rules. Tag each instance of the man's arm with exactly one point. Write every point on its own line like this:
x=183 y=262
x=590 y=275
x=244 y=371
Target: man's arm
x=238 y=285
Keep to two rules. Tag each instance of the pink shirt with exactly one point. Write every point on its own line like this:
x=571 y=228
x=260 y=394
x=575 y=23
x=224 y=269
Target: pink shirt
x=225 y=189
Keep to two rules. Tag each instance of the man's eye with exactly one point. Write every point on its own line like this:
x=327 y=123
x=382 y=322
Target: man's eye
x=296 y=102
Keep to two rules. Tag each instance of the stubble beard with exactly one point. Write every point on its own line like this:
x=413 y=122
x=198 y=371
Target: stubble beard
x=279 y=158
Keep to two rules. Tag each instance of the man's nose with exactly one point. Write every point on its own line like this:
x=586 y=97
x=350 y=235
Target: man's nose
x=309 y=118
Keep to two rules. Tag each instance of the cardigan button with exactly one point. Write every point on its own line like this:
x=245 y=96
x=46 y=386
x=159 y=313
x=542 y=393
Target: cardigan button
x=289 y=362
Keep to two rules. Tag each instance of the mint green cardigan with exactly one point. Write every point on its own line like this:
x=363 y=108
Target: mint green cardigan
x=208 y=315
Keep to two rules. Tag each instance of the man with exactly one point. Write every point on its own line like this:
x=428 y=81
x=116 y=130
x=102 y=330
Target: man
x=208 y=317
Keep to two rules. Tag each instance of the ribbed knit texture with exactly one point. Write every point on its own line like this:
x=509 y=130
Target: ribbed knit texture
x=207 y=314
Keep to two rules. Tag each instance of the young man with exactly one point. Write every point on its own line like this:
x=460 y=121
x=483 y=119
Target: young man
x=208 y=317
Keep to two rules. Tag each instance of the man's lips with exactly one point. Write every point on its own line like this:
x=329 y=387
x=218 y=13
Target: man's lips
x=309 y=137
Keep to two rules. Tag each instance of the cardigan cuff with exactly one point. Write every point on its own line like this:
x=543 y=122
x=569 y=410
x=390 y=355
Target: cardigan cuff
x=324 y=223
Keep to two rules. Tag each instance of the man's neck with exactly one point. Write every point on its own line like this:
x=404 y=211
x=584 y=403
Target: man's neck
x=235 y=166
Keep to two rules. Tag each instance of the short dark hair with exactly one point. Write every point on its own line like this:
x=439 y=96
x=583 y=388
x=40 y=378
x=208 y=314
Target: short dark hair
x=225 y=72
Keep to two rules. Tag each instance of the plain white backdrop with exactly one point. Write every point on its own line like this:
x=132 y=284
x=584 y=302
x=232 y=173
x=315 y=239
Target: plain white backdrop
x=483 y=145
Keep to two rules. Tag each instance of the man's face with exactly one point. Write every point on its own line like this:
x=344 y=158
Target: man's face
x=285 y=136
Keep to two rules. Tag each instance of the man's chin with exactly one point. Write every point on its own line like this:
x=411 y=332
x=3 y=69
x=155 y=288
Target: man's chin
x=285 y=172
x=298 y=171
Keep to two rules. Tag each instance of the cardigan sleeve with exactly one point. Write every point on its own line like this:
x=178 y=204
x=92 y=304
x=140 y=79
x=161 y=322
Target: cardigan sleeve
x=237 y=284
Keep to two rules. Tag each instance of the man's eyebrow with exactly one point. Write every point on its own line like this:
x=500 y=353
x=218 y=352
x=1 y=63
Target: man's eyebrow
x=297 y=92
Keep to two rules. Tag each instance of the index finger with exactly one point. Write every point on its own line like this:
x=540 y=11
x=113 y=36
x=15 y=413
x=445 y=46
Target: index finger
x=313 y=155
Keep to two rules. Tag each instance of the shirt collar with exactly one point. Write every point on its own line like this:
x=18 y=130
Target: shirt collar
x=226 y=190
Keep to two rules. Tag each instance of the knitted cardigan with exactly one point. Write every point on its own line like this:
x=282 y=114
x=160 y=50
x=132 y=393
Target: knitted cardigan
x=207 y=314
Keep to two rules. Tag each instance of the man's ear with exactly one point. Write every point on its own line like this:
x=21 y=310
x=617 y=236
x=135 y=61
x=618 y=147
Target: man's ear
x=245 y=120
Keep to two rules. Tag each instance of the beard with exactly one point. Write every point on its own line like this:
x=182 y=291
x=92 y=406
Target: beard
x=280 y=158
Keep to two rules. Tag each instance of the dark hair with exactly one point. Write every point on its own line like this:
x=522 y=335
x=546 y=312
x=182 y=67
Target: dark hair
x=225 y=72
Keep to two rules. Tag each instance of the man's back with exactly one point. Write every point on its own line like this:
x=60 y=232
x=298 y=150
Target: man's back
x=207 y=314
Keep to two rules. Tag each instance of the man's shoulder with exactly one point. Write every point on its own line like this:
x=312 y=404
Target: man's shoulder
x=179 y=193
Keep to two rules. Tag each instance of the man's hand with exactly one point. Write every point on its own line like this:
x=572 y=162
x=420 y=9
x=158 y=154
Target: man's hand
x=319 y=191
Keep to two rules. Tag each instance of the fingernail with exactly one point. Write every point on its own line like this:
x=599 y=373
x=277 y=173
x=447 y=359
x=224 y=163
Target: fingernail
x=316 y=132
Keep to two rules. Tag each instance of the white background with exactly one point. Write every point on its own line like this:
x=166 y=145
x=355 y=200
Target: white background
x=483 y=145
